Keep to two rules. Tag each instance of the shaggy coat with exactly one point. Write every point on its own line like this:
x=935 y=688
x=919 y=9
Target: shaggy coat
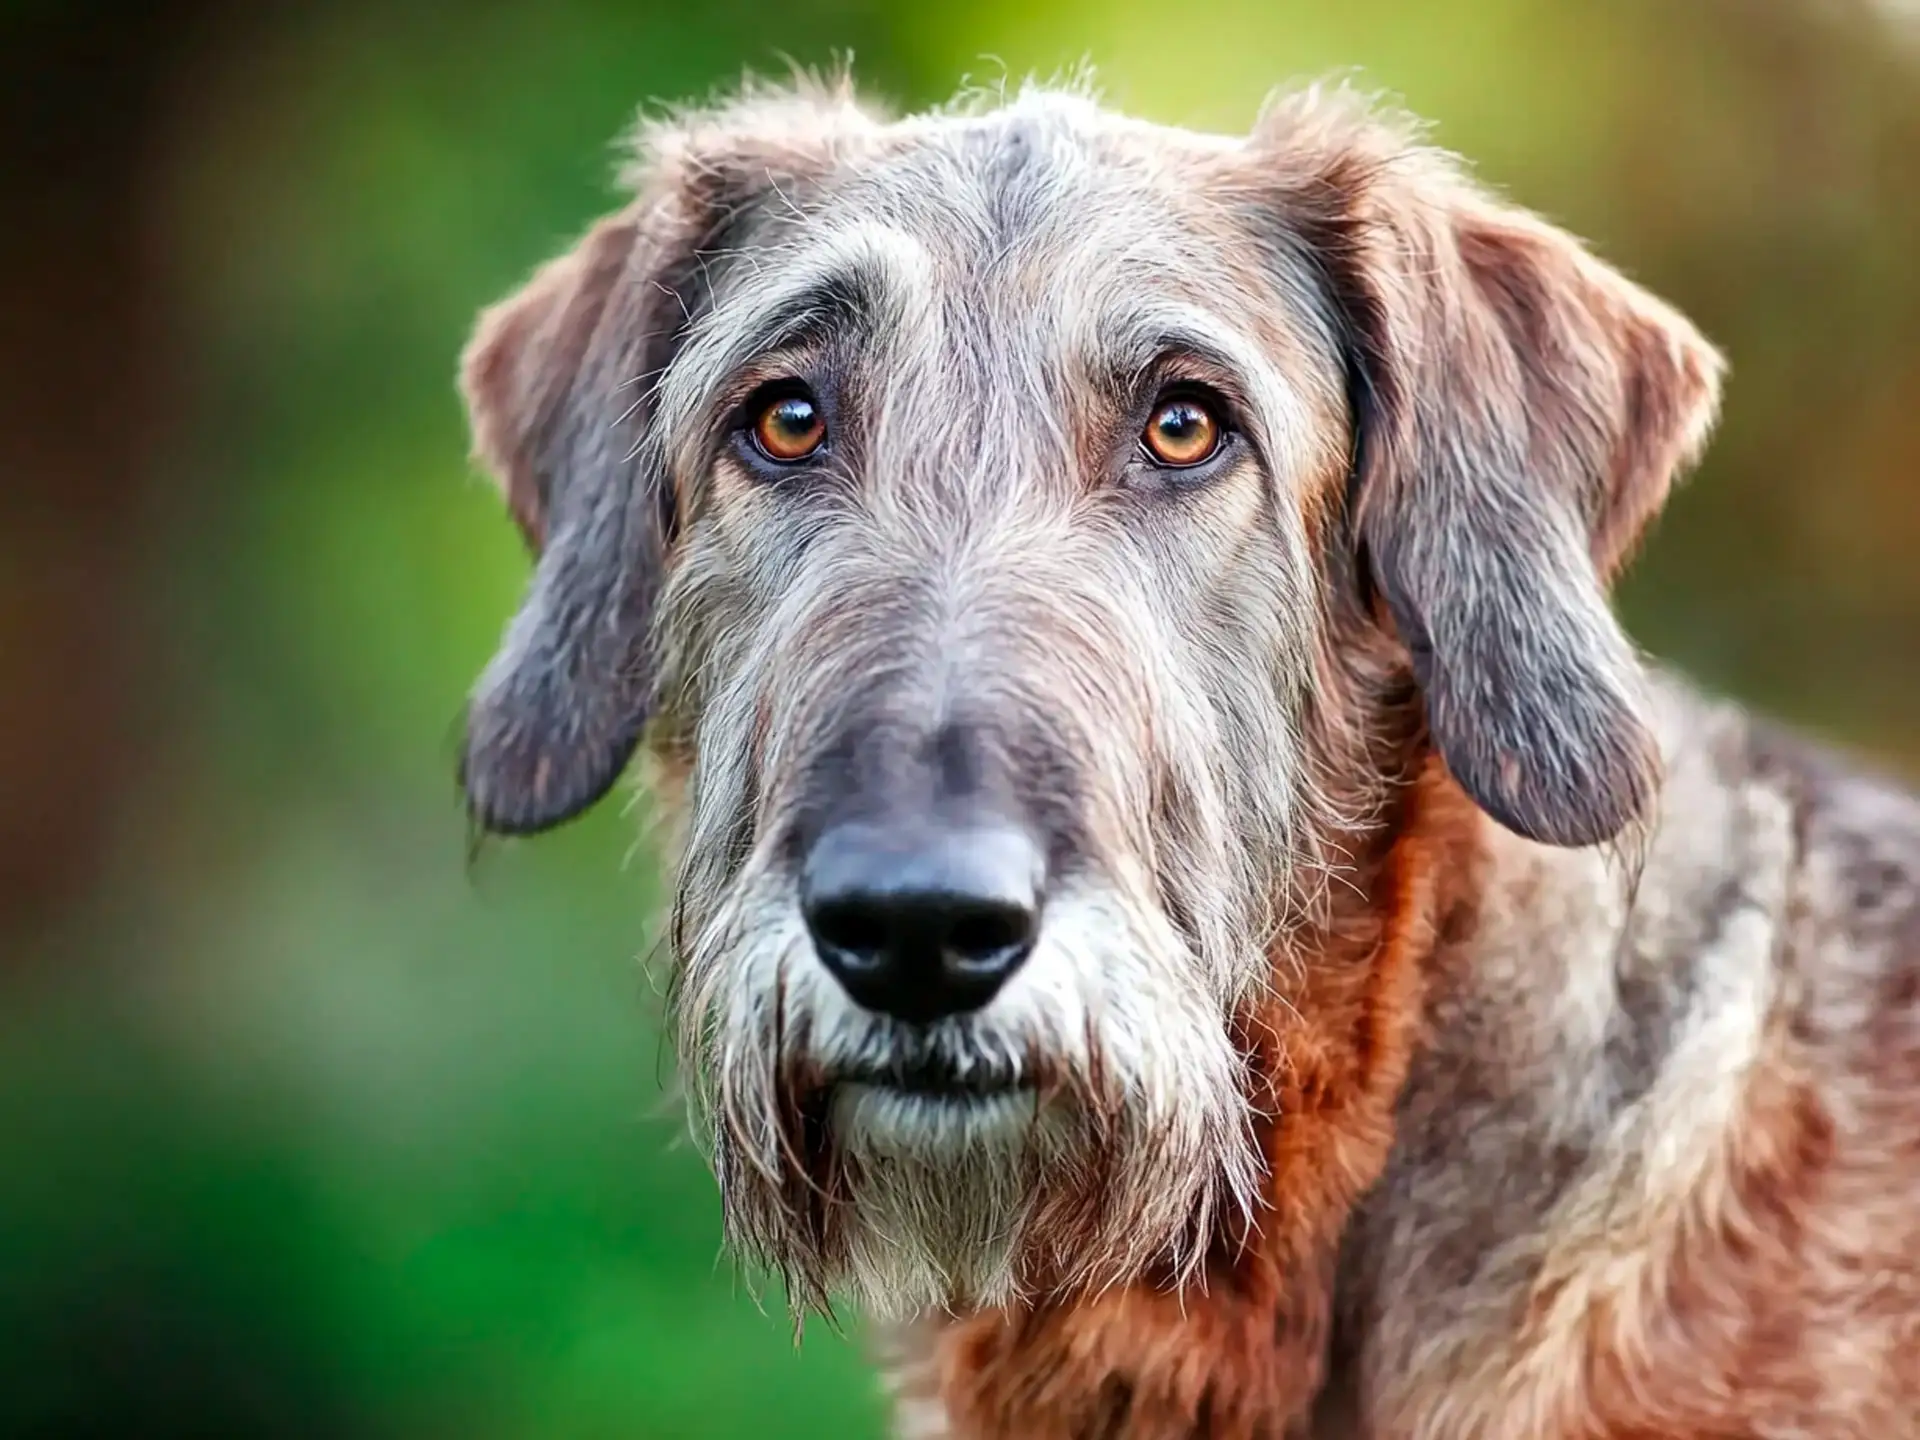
x=1440 y=1024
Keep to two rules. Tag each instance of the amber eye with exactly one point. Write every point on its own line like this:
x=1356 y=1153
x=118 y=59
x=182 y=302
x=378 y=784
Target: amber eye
x=789 y=429
x=1181 y=432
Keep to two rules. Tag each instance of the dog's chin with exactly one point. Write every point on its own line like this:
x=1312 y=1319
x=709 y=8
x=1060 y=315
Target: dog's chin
x=937 y=1165
x=908 y=1193
x=931 y=1126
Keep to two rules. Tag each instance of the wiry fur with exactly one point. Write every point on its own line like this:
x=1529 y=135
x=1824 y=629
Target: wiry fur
x=1438 y=1027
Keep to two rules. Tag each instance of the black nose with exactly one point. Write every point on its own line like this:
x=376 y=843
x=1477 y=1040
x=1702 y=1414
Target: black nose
x=921 y=921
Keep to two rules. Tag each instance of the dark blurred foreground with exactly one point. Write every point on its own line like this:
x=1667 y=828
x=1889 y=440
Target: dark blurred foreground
x=308 y=1128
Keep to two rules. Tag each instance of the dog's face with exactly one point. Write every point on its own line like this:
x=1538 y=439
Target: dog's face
x=1009 y=525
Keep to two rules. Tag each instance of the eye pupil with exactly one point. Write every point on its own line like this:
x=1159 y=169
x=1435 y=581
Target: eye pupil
x=1181 y=433
x=789 y=429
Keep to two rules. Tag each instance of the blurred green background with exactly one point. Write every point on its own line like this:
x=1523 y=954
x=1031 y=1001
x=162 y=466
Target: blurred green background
x=308 y=1126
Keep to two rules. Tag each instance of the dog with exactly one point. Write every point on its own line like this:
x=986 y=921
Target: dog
x=1189 y=907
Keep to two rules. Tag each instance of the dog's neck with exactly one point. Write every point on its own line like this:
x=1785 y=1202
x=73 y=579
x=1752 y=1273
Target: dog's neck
x=1247 y=1355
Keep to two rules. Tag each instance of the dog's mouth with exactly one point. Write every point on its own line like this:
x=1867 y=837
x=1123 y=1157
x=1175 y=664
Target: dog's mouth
x=928 y=1105
x=937 y=1078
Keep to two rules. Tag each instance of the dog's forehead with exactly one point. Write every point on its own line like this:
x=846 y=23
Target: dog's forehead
x=1049 y=176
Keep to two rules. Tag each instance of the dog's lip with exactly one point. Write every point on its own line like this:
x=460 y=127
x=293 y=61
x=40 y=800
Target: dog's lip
x=936 y=1081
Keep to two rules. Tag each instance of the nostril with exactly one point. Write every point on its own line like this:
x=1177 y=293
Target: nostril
x=853 y=927
x=989 y=936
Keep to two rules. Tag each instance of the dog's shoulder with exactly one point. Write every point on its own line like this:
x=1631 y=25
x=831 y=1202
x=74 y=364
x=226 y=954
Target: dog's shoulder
x=1665 y=1133
x=1843 y=864
x=1847 y=834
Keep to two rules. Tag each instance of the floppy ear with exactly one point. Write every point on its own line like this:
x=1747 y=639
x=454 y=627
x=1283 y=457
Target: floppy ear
x=559 y=382
x=1520 y=411
x=555 y=380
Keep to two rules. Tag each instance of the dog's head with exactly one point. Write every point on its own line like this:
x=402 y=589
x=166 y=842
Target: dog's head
x=1007 y=527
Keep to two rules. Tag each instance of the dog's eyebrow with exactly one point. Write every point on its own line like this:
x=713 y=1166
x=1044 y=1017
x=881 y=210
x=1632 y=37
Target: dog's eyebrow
x=1134 y=345
x=860 y=280
x=817 y=309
